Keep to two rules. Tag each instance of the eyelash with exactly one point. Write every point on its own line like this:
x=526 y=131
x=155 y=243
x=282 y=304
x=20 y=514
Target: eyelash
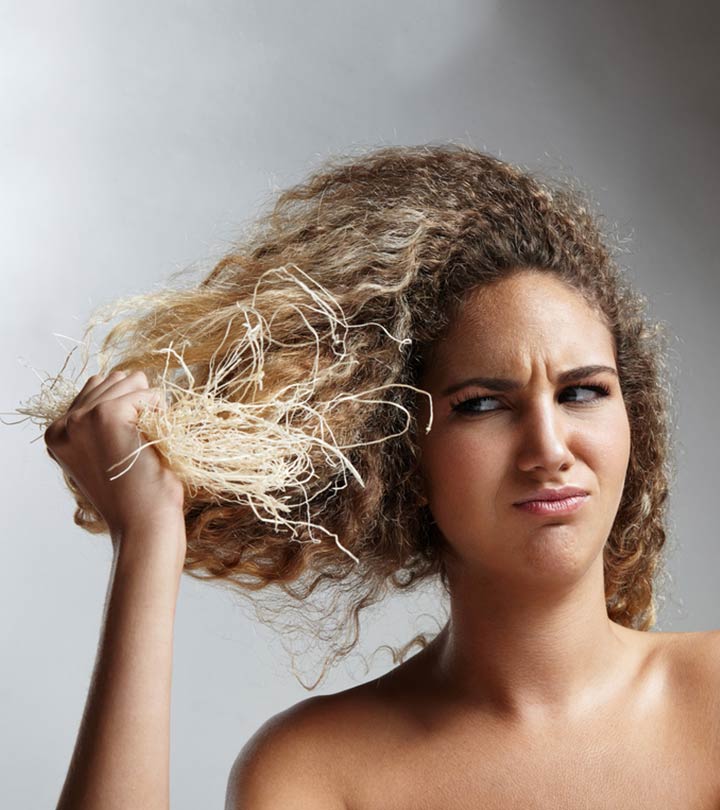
x=600 y=388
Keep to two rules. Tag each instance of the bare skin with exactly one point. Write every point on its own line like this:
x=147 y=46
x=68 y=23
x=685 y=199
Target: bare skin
x=402 y=742
x=122 y=753
x=530 y=697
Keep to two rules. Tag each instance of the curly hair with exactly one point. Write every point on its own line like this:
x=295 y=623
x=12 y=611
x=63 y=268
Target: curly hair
x=399 y=236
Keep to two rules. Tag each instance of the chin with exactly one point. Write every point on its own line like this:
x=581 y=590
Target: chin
x=556 y=554
x=560 y=551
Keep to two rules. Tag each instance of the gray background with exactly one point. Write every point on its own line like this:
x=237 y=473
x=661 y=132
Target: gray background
x=135 y=140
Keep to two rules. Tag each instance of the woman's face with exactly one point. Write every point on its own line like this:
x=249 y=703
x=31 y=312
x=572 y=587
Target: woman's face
x=493 y=443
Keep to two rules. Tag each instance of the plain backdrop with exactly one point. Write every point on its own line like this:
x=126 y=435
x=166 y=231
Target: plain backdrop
x=136 y=138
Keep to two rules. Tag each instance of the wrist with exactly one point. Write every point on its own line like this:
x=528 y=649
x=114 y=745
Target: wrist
x=158 y=536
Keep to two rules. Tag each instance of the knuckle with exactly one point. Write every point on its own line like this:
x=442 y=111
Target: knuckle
x=104 y=411
x=51 y=432
x=72 y=420
x=140 y=377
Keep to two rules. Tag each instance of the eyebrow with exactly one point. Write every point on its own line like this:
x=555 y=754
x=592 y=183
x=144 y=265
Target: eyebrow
x=503 y=384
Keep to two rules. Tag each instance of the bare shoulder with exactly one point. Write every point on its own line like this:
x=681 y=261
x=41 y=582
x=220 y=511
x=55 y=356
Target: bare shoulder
x=694 y=656
x=704 y=656
x=693 y=661
x=289 y=761
x=708 y=644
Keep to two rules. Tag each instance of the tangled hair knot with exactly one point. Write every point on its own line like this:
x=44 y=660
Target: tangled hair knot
x=388 y=245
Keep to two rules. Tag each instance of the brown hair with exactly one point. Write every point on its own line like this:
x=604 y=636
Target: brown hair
x=399 y=236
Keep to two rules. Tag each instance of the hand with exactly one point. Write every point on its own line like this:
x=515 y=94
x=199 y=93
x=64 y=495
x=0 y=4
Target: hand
x=99 y=430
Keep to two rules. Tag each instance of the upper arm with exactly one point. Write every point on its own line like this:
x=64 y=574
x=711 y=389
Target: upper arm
x=285 y=764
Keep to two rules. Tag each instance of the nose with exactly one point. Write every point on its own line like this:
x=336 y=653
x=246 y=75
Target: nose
x=543 y=441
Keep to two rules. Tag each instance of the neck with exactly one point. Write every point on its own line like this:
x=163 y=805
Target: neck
x=531 y=655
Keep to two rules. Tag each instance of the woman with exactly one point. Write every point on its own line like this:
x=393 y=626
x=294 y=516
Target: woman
x=537 y=497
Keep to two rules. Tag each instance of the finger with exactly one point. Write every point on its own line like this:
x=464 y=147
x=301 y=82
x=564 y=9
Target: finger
x=59 y=424
x=123 y=408
x=94 y=386
x=105 y=382
x=131 y=405
x=90 y=383
x=127 y=407
x=116 y=384
x=149 y=396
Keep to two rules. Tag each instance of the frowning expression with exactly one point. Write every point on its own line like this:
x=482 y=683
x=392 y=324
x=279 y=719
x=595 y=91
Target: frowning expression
x=525 y=396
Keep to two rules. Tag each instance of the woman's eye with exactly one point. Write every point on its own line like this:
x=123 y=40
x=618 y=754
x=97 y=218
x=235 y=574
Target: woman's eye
x=597 y=392
x=464 y=405
x=600 y=391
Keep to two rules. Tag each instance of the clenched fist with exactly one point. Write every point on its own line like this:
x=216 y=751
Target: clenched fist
x=98 y=431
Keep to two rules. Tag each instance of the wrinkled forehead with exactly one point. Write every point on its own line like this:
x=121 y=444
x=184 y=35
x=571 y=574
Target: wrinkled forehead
x=526 y=319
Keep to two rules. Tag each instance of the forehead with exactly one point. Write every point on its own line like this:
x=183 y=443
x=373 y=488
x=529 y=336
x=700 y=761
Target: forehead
x=531 y=317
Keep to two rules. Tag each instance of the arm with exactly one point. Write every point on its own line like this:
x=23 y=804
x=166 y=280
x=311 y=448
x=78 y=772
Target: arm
x=121 y=757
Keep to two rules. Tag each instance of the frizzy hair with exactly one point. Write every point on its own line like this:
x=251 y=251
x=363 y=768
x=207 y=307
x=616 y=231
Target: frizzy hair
x=399 y=236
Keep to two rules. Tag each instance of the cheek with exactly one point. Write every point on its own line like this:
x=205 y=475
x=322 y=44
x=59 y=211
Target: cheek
x=613 y=445
x=461 y=468
x=604 y=453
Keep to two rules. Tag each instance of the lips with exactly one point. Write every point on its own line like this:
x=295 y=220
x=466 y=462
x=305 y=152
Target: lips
x=549 y=494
